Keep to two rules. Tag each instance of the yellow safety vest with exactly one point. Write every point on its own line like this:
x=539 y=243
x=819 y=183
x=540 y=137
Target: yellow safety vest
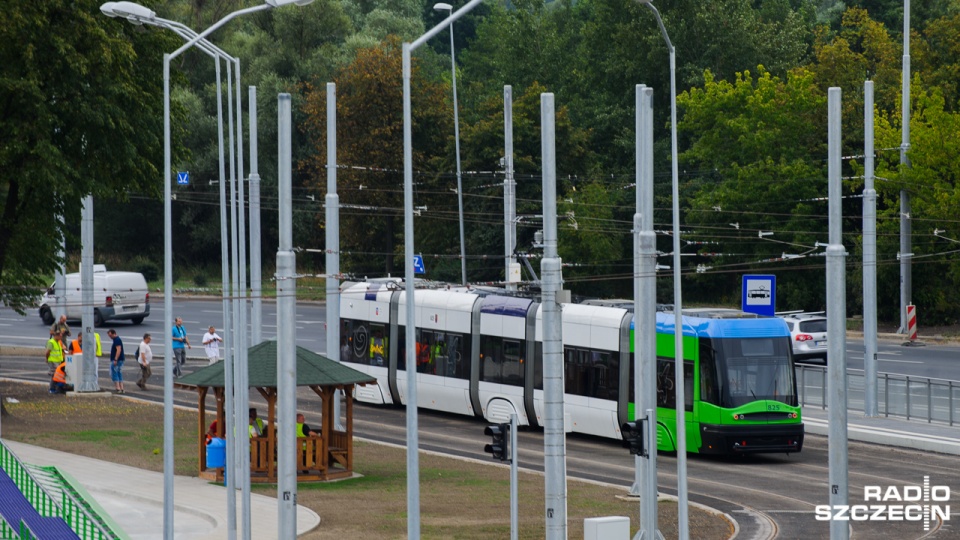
x=56 y=352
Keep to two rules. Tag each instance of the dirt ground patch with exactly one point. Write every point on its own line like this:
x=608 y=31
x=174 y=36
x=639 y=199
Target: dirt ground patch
x=459 y=498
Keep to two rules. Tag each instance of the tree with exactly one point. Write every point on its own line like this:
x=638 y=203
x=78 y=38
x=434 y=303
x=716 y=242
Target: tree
x=82 y=113
x=370 y=136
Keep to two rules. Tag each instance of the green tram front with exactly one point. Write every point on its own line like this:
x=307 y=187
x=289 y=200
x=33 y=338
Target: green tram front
x=740 y=386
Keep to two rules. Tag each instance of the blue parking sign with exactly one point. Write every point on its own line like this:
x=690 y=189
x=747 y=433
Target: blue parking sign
x=759 y=294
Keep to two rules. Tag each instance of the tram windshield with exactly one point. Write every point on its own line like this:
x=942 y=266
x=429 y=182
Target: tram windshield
x=752 y=369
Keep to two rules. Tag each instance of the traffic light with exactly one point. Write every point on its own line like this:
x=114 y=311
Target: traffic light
x=632 y=433
x=499 y=445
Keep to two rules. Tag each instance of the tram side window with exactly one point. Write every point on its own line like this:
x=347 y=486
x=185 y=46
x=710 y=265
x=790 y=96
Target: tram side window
x=710 y=390
x=441 y=353
x=501 y=361
x=666 y=384
x=363 y=342
x=591 y=373
x=538 y=366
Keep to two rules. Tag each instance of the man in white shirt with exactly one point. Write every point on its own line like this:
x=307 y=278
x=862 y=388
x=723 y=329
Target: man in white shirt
x=211 y=344
x=144 y=357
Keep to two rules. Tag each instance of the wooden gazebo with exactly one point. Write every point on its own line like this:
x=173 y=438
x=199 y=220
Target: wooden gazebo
x=323 y=457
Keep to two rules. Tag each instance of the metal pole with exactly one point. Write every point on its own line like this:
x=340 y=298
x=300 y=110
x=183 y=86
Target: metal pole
x=333 y=242
x=256 y=312
x=286 y=335
x=413 y=442
x=514 y=496
x=456 y=135
x=645 y=310
x=242 y=334
x=234 y=419
x=554 y=437
x=869 y=259
x=168 y=311
x=87 y=380
x=906 y=278
x=227 y=306
x=836 y=324
x=509 y=189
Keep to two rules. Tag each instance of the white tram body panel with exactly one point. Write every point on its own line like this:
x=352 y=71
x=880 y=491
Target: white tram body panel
x=369 y=302
x=592 y=329
x=504 y=317
x=443 y=312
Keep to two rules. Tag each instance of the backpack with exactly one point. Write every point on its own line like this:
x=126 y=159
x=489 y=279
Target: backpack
x=136 y=354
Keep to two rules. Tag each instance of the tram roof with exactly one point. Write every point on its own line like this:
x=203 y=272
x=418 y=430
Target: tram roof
x=721 y=323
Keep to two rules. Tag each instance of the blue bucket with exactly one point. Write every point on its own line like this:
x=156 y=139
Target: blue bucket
x=216 y=453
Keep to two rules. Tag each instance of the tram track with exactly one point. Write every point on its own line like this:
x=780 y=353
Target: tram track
x=769 y=496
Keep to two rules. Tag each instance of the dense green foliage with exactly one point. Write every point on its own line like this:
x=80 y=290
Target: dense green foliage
x=752 y=79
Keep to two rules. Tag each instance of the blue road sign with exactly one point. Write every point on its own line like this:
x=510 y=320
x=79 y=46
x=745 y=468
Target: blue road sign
x=183 y=178
x=418 y=267
x=759 y=294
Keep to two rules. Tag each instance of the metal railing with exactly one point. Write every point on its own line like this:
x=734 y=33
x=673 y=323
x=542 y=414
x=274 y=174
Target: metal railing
x=73 y=511
x=903 y=396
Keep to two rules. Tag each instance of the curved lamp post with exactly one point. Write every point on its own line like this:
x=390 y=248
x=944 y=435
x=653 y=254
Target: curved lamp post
x=138 y=14
x=442 y=6
x=682 y=517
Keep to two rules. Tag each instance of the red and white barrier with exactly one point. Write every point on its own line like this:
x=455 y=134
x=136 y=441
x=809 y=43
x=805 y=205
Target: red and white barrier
x=912 y=322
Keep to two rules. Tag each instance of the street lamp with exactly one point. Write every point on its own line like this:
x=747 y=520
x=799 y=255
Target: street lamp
x=138 y=14
x=442 y=6
x=682 y=510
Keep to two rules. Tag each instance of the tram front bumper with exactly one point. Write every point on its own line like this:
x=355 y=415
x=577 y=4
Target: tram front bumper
x=751 y=439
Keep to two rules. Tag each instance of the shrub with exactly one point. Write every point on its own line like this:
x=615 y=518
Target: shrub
x=149 y=269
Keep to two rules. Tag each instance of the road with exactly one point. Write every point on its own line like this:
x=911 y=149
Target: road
x=937 y=361
x=770 y=496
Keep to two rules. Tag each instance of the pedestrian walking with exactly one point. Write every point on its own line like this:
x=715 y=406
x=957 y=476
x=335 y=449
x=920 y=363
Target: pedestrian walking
x=180 y=345
x=144 y=357
x=116 y=360
x=61 y=326
x=211 y=344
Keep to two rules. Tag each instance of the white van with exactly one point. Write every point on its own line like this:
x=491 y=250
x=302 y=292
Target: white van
x=116 y=296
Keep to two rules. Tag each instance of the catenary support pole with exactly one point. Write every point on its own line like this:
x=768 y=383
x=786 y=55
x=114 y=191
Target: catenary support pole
x=332 y=204
x=645 y=308
x=554 y=436
x=906 y=226
x=87 y=380
x=509 y=190
x=168 y=313
x=286 y=334
x=256 y=265
x=869 y=259
x=836 y=323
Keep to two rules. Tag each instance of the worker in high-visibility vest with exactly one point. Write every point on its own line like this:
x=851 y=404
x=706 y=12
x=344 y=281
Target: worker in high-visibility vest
x=76 y=346
x=58 y=384
x=54 y=356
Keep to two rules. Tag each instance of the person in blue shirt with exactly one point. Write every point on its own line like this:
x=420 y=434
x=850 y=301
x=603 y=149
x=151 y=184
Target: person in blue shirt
x=116 y=360
x=180 y=346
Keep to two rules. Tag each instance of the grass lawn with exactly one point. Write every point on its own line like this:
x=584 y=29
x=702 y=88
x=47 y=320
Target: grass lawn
x=459 y=498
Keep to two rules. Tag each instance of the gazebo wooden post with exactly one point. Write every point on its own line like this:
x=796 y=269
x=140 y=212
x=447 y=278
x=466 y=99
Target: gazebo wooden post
x=272 y=434
x=201 y=443
x=326 y=427
x=348 y=391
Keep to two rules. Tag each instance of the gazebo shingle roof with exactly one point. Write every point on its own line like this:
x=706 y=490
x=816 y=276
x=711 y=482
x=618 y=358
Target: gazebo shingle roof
x=312 y=370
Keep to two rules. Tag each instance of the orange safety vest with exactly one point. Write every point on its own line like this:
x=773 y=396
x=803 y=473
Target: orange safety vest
x=75 y=346
x=60 y=375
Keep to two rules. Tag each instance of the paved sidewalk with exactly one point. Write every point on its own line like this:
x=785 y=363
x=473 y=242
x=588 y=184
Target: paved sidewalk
x=134 y=498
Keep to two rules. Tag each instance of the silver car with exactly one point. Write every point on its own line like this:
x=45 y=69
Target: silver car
x=808 y=334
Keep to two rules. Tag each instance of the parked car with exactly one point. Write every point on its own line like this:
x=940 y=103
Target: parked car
x=116 y=296
x=808 y=334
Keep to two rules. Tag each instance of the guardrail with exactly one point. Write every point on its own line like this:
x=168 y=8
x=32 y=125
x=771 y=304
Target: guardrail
x=904 y=396
x=72 y=511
